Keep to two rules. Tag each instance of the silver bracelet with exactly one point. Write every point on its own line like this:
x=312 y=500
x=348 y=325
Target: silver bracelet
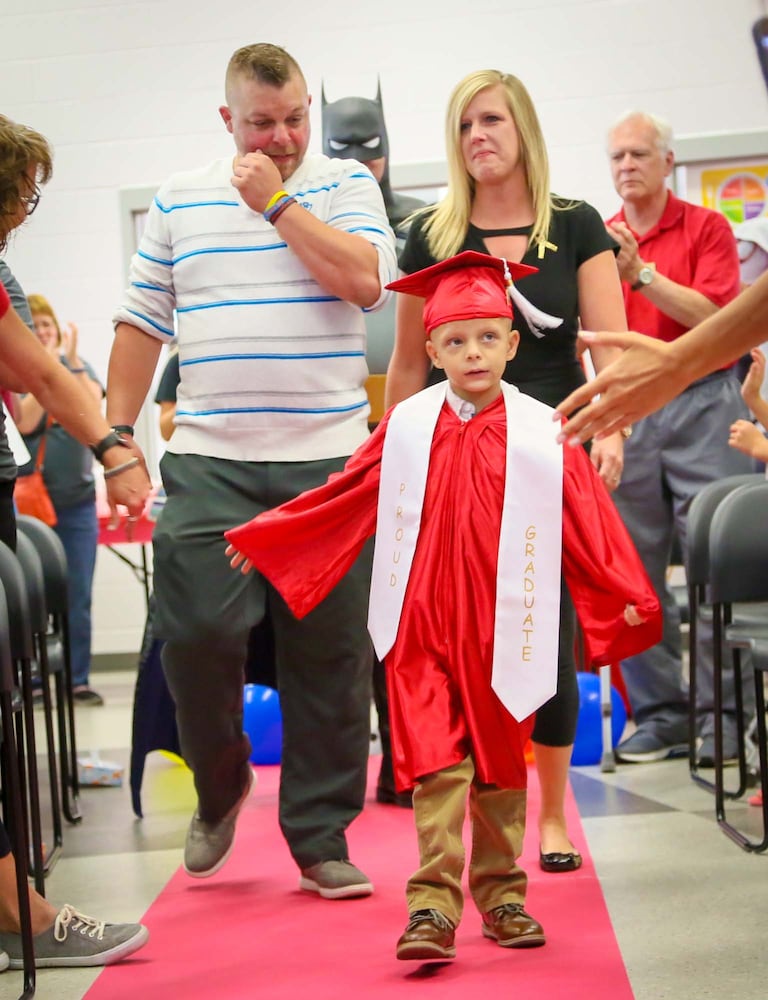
x=117 y=469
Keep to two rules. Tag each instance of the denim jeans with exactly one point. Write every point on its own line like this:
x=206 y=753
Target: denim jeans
x=78 y=529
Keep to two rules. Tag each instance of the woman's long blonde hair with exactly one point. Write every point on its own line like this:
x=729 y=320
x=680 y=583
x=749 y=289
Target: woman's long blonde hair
x=446 y=224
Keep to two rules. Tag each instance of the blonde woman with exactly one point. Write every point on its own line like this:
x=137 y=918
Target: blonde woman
x=499 y=202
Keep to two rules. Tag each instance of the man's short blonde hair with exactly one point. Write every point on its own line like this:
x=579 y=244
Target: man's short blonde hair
x=264 y=62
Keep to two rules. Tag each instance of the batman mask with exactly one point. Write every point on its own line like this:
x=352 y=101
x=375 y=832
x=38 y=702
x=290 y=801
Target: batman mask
x=354 y=129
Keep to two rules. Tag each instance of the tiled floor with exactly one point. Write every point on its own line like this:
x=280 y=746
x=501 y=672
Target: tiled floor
x=690 y=909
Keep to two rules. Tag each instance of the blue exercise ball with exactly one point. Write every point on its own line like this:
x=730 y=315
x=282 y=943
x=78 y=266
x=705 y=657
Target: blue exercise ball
x=588 y=745
x=263 y=723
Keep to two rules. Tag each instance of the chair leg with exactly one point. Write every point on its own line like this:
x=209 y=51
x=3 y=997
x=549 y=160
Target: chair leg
x=51 y=856
x=35 y=823
x=17 y=830
x=719 y=620
x=65 y=708
x=695 y=598
x=762 y=746
x=717 y=643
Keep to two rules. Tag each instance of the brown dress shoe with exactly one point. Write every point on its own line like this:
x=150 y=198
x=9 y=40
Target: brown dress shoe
x=429 y=935
x=511 y=927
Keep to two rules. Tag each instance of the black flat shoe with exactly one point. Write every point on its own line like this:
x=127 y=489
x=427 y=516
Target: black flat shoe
x=560 y=861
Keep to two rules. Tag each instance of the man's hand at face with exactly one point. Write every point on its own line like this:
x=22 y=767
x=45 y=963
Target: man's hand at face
x=256 y=178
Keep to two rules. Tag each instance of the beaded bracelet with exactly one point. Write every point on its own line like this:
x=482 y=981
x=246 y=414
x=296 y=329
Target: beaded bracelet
x=271 y=214
x=279 y=208
x=117 y=469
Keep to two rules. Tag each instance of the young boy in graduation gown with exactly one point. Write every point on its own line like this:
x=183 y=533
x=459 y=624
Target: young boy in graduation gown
x=477 y=511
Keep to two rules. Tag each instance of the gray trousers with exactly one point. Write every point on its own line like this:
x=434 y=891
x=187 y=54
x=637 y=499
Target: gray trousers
x=205 y=611
x=670 y=457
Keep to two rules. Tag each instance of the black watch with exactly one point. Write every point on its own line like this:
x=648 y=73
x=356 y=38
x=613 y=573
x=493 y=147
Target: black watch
x=112 y=439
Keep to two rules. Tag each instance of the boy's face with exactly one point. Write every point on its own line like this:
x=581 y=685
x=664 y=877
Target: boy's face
x=474 y=353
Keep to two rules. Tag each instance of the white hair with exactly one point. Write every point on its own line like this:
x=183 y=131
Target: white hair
x=660 y=126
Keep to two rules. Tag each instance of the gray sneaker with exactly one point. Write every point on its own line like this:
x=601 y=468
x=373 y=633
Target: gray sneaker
x=77 y=940
x=209 y=845
x=645 y=746
x=705 y=750
x=335 y=880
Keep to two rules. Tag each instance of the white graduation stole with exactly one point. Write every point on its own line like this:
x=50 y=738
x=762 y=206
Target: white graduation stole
x=526 y=630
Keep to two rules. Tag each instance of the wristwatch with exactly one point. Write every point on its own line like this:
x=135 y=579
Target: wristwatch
x=644 y=277
x=107 y=442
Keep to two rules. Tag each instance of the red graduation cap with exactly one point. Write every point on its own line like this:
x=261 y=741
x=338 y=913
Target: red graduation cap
x=470 y=285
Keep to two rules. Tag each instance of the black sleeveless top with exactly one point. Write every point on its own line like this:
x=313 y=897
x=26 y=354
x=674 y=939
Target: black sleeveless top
x=545 y=367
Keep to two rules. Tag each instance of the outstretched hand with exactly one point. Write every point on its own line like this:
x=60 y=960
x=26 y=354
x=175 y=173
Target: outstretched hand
x=638 y=382
x=237 y=559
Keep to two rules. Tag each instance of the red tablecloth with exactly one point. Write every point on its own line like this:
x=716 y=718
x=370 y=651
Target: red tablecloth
x=141 y=535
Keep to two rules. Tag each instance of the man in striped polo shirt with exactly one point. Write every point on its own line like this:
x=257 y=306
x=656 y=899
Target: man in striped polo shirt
x=267 y=262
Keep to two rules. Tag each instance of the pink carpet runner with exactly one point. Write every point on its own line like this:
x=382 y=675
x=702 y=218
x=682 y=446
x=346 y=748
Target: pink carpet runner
x=250 y=932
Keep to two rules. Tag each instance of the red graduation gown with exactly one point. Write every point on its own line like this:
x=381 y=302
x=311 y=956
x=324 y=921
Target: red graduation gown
x=441 y=703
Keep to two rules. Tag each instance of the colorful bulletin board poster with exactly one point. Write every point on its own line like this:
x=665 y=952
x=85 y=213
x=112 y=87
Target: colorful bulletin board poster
x=738 y=190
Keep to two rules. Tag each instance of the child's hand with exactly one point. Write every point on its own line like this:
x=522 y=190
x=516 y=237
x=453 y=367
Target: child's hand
x=238 y=559
x=631 y=615
x=746 y=437
x=753 y=381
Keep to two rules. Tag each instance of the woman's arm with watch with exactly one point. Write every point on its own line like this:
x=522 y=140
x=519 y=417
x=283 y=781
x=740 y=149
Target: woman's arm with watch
x=59 y=393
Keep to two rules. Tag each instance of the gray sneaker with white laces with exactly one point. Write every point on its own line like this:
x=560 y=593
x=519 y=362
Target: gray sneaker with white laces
x=77 y=940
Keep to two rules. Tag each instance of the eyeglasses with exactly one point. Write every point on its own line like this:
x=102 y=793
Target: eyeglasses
x=31 y=201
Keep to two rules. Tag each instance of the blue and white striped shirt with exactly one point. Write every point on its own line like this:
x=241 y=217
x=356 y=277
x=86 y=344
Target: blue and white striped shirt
x=272 y=366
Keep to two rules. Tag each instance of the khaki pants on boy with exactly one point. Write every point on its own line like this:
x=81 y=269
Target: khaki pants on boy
x=498 y=825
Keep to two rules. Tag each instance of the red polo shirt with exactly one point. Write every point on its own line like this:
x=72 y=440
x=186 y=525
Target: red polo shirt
x=695 y=247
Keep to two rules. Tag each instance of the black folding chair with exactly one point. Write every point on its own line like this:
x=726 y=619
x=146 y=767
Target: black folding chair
x=738 y=554
x=54 y=560
x=31 y=566
x=697 y=572
x=22 y=656
x=12 y=774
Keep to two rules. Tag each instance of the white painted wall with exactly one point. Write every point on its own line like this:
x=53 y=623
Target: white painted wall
x=128 y=93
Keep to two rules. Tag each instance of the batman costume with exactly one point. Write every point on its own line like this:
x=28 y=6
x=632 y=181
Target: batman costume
x=354 y=129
